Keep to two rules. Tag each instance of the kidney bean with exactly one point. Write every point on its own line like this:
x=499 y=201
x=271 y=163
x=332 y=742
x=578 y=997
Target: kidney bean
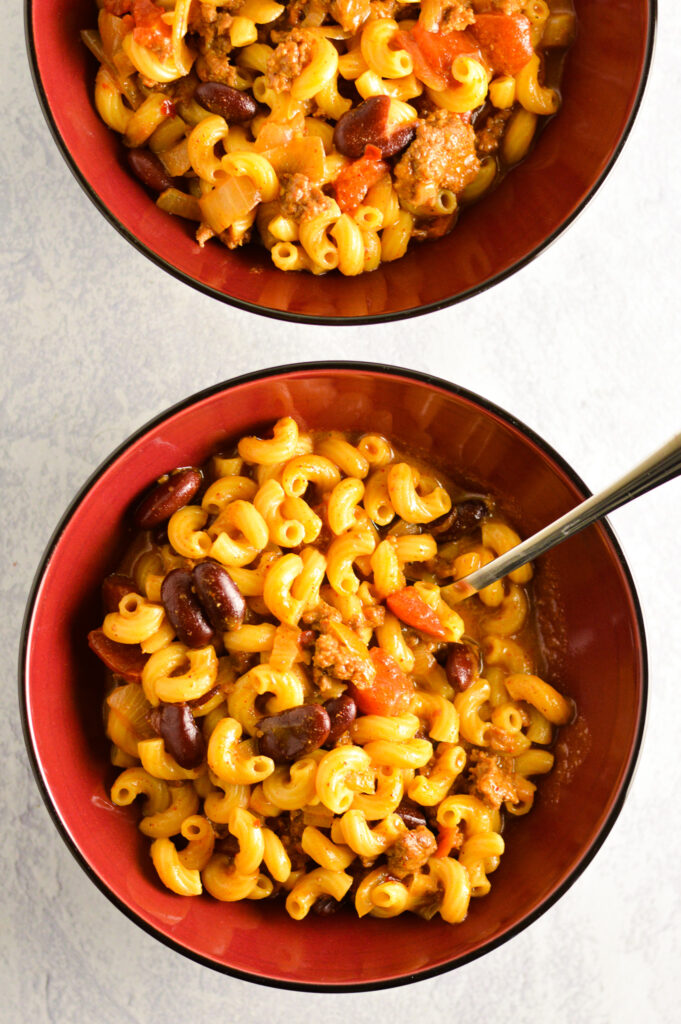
x=170 y=494
x=367 y=125
x=181 y=735
x=197 y=702
x=325 y=906
x=459 y=667
x=410 y=813
x=183 y=609
x=234 y=105
x=114 y=587
x=293 y=733
x=222 y=600
x=462 y=518
x=146 y=166
x=125 y=660
x=342 y=712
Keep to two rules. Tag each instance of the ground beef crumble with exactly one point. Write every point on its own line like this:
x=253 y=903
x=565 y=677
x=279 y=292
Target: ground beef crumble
x=442 y=156
x=411 y=851
x=333 y=656
x=488 y=138
x=449 y=16
x=492 y=778
x=300 y=197
x=289 y=59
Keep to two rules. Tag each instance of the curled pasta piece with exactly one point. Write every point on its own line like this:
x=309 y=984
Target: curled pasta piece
x=162 y=681
x=295 y=787
x=172 y=872
x=381 y=895
x=234 y=761
x=452 y=877
x=480 y=856
x=341 y=773
x=311 y=886
x=136 y=782
x=409 y=505
x=162 y=824
x=280 y=447
x=223 y=881
x=544 y=697
x=370 y=842
x=200 y=837
x=324 y=852
x=135 y=621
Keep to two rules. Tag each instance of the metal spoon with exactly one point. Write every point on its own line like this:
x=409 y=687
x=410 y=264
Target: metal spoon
x=664 y=465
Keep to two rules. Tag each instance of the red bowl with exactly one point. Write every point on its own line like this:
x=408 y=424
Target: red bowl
x=599 y=659
x=603 y=83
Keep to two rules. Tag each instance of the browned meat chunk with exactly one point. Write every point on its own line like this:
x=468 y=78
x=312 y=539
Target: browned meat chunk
x=300 y=197
x=442 y=156
x=330 y=654
x=487 y=139
x=448 y=16
x=492 y=779
x=308 y=12
x=211 y=29
x=411 y=851
x=289 y=59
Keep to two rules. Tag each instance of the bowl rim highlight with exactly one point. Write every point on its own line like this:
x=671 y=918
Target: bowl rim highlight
x=322 y=367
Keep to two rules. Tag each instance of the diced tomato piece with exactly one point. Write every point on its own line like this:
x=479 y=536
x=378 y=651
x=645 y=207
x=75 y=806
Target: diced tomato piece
x=505 y=41
x=413 y=611
x=118 y=7
x=433 y=53
x=150 y=29
x=389 y=693
x=355 y=180
x=446 y=840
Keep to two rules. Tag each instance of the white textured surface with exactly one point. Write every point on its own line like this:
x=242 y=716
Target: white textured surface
x=583 y=345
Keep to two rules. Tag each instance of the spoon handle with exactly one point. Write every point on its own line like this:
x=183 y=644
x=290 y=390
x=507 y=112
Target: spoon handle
x=663 y=465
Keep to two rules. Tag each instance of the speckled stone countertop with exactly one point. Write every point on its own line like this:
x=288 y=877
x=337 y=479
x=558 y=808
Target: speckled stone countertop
x=583 y=345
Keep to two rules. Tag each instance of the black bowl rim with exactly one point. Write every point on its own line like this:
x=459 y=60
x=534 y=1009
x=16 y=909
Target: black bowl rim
x=338 y=321
x=263 y=374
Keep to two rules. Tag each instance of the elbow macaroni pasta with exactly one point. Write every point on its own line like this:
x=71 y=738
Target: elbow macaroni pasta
x=271 y=805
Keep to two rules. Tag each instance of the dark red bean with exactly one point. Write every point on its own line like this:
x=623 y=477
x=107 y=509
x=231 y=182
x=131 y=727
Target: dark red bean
x=411 y=814
x=222 y=600
x=342 y=712
x=125 y=660
x=325 y=906
x=114 y=587
x=235 y=106
x=197 y=702
x=182 y=737
x=293 y=733
x=459 y=667
x=146 y=166
x=367 y=125
x=461 y=519
x=183 y=609
x=171 y=493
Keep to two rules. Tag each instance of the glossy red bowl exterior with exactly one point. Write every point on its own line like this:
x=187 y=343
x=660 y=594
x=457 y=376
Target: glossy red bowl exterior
x=603 y=83
x=593 y=630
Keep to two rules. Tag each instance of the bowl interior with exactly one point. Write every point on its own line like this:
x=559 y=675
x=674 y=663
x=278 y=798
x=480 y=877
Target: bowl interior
x=594 y=642
x=604 y=76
